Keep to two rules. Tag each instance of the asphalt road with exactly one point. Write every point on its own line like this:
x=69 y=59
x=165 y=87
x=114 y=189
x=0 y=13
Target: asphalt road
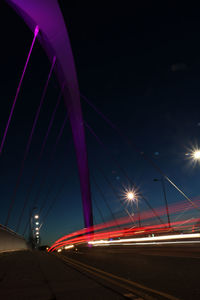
x=168 y=269
x=34 y=275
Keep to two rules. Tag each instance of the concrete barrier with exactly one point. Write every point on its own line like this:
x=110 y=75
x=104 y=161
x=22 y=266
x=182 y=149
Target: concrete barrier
x=11 y=241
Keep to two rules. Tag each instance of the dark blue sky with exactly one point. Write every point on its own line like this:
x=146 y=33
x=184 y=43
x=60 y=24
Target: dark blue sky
x=141 y=67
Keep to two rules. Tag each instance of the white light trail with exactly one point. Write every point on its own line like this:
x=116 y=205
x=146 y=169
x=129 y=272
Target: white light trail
x=148 y=239
x=69 y=247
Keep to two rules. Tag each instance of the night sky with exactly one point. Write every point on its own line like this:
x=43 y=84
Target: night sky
x=138 y=65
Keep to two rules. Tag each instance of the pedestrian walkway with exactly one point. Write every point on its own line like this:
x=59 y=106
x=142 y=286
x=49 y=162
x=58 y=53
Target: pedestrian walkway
x=27 y=275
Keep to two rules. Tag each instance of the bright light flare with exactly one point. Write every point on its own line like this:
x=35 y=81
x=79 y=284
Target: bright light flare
x=59 y=250
x=130 y=195
x=193 y=155
x=36 y=216
x=69 y=247
x=196 y=155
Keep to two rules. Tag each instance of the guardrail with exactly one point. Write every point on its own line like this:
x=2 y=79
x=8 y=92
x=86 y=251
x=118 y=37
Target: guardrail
x=11 y=241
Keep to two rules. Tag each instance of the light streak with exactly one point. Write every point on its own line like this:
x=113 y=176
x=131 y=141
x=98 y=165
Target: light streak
x=106 y=232
x=159 y=243
x=69 y=247
x=145 y=239
x=112 y=234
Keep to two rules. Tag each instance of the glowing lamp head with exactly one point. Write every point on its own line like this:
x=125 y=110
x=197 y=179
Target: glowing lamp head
x=130 y=196
x=36 y=217
x=196 y=155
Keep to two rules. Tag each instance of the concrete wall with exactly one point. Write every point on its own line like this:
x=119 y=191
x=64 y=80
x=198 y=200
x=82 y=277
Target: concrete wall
x=11 y=241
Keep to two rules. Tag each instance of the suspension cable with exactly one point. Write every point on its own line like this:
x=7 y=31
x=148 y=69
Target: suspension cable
x=126 y=176
x=104 y=199
x=13 y=196
x=135 y=148
x=18 y=88
x=30 y=139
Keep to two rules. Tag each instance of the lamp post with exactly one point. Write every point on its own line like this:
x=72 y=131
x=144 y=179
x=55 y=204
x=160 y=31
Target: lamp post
x=165 y=198
x=34 y=227
x=132 y=196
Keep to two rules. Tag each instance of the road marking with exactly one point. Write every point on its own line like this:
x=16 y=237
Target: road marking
x=114 y=279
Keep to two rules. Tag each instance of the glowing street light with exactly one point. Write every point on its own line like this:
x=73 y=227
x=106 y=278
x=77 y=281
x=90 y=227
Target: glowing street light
x=36 y=216
x=196 y=154
x=130 y=196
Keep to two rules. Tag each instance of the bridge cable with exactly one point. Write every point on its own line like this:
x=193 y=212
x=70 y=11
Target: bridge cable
x=30 y=139
x=45 y=199
x=104 y=199
x=44 y=143
x=126 y=176
x=116 y=194
x=50 y=165
x=50 y=207
x=13 y=196
x=18 y=89
x=135 y=148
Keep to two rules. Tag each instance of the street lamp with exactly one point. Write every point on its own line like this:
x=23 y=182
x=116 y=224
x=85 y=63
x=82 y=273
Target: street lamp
x=132 y=196
x=196 y=154
x=165 y=198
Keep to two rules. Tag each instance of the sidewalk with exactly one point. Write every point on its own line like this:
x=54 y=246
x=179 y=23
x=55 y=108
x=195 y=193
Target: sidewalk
x=27 y=275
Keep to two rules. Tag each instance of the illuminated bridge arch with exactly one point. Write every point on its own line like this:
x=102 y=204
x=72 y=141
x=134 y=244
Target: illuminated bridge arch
x=54 y=39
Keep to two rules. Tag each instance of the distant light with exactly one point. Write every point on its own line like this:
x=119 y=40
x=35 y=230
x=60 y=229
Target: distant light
x=36 y=223
x=37 y=229
x=69 y=247
x=130 y=195
x=59 y=250
x=47 y=248
x=196 y=154
x=36 y=216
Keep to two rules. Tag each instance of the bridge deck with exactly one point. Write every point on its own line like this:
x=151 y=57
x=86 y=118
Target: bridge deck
x=37 y=275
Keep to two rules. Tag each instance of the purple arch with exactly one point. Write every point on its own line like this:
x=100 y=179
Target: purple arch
x=54 y=39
